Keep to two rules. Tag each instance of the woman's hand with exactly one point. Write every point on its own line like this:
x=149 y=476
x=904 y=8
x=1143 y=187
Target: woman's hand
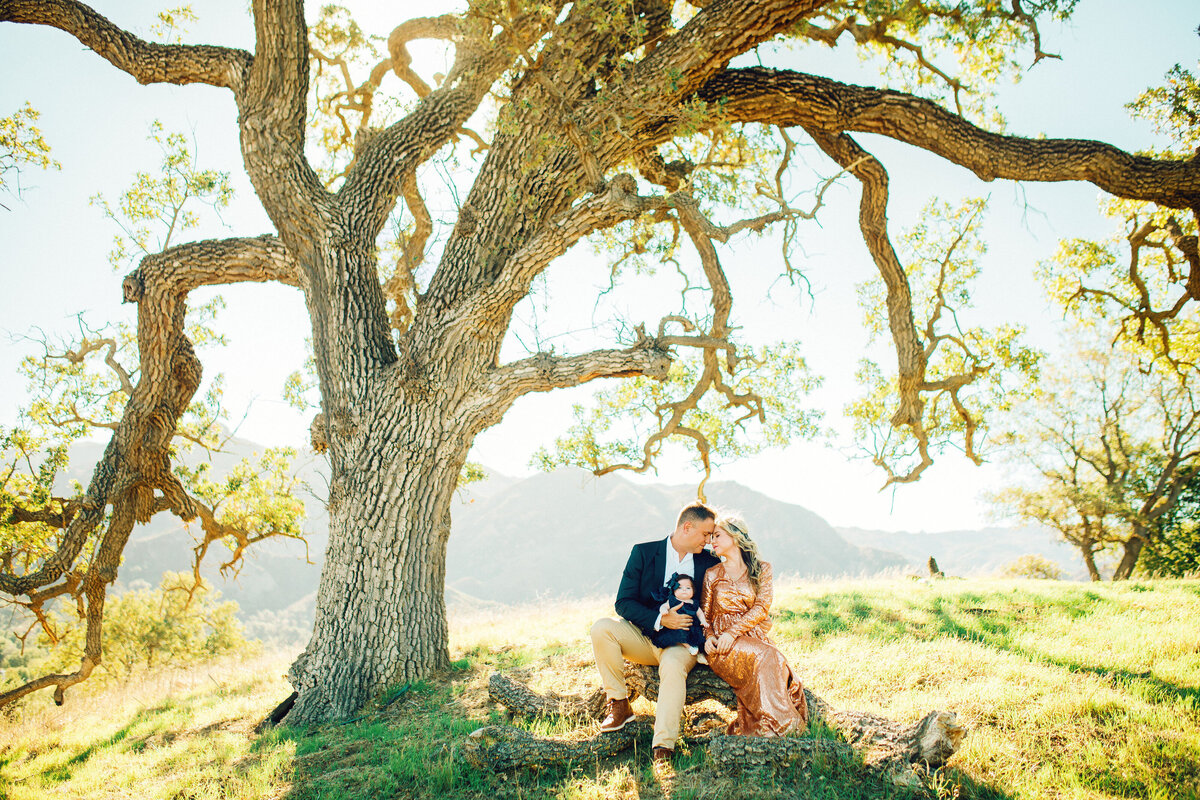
x=710 y=645
x=725 y=643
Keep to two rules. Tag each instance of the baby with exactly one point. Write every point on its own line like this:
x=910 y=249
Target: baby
x=680 y=591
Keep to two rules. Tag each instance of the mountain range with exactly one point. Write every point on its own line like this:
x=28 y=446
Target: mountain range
x=558 y=535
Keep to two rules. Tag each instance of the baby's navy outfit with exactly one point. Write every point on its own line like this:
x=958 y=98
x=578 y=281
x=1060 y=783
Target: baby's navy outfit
x=667 y=637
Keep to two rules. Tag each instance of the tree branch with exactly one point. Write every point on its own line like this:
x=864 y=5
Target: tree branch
x=789 y=98
x=401 y=288
x=447 y=27
x=211 y=262
x=544 y=372
x=371 y=186
x=136 y=463
x=618 y=201
x=872 y=219
x=147 y=62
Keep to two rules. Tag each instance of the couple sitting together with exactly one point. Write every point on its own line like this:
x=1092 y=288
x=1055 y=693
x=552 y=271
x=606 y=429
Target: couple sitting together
x=678 y=603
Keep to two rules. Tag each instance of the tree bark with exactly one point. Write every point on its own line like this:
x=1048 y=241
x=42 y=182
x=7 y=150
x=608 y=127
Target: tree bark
x=381 y=617
x=520 y=699
x=503 y=748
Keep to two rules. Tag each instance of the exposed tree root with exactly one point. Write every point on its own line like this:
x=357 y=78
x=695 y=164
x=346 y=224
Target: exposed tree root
x=277 y=715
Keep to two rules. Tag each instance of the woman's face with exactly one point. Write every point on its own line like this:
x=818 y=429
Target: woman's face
x=722 y=543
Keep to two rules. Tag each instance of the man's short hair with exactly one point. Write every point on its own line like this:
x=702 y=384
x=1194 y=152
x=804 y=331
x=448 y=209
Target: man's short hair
x=696 y=512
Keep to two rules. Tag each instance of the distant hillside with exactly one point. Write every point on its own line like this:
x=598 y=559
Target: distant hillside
x=971 y=553
x=562 y=534
x=568 y=533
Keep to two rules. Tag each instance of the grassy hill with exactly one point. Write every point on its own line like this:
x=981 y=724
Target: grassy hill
x=1067 y=691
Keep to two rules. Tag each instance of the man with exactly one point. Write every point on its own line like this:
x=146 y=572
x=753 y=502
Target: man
x=650 y=567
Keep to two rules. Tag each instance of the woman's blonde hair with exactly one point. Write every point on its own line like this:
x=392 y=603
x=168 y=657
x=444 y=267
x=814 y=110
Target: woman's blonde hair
x=735 y=526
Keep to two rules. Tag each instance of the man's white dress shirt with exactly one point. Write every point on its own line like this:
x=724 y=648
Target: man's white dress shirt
x=674 y=564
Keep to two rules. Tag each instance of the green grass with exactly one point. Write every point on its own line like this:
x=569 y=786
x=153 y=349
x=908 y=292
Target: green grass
x=1067 y=691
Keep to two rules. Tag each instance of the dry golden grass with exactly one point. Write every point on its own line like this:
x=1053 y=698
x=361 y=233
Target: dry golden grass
x=1068 y=691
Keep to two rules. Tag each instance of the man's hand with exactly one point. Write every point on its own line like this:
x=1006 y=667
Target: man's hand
x=676 y=621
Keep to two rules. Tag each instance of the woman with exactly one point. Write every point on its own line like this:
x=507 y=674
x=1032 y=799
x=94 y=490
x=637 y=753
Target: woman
x=737 y=598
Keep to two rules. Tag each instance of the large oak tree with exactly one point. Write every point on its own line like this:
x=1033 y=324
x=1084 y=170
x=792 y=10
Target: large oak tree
x=586 y=94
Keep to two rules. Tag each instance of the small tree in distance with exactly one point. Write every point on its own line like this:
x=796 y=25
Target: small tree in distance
x=1114 y=446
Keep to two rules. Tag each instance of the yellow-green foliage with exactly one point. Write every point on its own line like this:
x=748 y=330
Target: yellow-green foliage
x=1067 y=691
x=144 y=630
x=941 y=254
x=164 y=627
x=158 y=206
x=1033 y=566
x=21 y=142
x=1108 y=285
x=614 y=427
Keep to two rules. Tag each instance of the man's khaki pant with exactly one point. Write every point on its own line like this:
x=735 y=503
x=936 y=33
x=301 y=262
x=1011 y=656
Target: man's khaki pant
x=614 y=641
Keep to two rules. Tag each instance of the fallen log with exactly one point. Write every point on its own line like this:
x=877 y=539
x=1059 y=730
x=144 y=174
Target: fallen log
x=642 y=681
x=520 y=699
x=931 y=741
x=501 y=748
x=702 y=684
x=732 y=755
x=887 y=746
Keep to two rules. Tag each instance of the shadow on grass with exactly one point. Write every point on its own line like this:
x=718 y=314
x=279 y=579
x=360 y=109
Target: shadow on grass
x=969 y=617
x=829 y=776
x=994 y=629
x=996 y=621
x=404 y=748
x=409 y=750
x=60 y=773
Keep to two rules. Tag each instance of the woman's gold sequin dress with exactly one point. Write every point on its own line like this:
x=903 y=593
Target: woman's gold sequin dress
x=770 y=697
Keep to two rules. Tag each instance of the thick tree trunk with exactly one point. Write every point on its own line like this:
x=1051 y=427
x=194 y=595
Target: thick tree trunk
x=381 y=616
x=1133 y=549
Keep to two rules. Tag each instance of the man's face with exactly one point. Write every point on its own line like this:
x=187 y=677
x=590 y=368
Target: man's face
x=694 y=535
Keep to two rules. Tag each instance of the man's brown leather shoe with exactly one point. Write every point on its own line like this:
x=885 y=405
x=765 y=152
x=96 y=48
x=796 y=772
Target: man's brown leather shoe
x=619 y=715
x=662 y=755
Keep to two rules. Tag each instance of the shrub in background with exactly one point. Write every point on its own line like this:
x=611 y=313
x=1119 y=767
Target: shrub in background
x=1033 y=566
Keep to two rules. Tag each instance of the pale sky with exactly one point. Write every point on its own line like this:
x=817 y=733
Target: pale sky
x=96 y=119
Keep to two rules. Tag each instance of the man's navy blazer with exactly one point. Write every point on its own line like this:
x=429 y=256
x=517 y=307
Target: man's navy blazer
x=644 y=574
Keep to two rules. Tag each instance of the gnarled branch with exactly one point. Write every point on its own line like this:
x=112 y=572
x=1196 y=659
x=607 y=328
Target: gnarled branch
x=544 y=371
x=872 y=220
x=136 y=463
x=781 y=97
x=147 y=62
